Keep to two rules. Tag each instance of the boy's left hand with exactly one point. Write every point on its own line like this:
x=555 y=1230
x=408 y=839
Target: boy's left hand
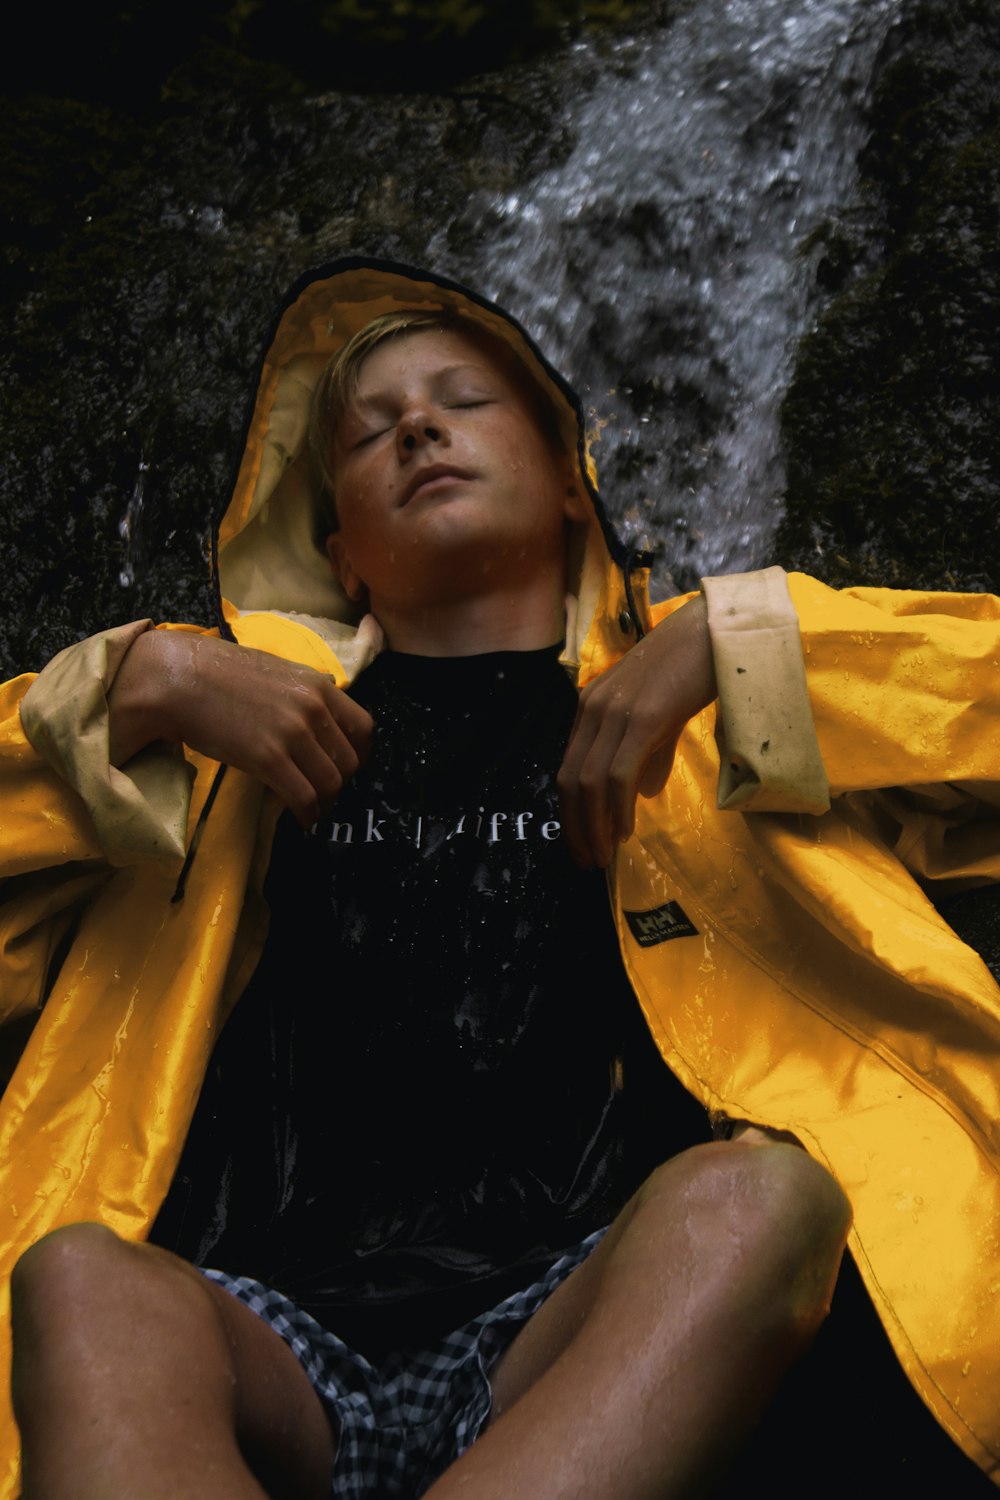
x=626 y=730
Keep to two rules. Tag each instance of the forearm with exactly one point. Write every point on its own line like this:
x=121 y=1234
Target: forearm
x=157 y=671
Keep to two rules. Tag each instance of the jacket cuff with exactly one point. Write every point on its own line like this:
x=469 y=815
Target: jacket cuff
x=769 y=754
x=139 y=811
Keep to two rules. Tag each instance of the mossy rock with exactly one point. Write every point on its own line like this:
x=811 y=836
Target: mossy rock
x=892 y=424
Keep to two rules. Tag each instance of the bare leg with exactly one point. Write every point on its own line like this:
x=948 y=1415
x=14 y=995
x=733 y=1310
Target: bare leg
x=641 y=1375
x=134 y=1376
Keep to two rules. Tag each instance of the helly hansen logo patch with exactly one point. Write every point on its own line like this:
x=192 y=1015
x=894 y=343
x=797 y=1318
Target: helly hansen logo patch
x=660 y=925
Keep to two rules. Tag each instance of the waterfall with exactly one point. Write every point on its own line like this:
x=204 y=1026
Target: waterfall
x=651 y=205
x=663 y=264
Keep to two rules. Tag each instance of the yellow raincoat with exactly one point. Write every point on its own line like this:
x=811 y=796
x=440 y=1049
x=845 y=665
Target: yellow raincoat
x=819 y=991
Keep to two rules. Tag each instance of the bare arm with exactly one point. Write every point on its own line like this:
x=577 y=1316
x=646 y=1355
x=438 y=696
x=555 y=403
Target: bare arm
x=626 y=731
x=285 y=724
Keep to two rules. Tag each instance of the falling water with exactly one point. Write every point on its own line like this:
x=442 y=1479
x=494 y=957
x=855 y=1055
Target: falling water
x=663 y=262
x=129 y=524
x=652 y=206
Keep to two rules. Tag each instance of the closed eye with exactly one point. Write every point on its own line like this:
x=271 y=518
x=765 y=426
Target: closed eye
x=370 y=437
x=458 y=405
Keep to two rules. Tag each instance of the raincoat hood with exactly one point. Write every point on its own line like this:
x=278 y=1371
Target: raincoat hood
x=265 y=552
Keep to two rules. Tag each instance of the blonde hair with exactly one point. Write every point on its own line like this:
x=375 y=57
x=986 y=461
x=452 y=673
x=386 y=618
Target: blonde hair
x=338 y=384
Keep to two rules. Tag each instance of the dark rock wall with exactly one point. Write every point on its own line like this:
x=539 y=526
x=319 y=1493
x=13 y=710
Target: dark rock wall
x=146 y=250
x=159 y=196
x=892 y=425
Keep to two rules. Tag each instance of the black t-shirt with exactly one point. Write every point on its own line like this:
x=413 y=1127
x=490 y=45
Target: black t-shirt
x=438 y=1077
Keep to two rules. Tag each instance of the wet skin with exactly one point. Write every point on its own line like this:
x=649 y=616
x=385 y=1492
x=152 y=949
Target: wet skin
x=450 y=496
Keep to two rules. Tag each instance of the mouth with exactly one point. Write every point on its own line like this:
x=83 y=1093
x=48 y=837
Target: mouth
x=430 y=476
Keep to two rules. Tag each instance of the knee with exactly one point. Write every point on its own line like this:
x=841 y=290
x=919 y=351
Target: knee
x=64 y=1266
x=781 y=1193
x=768 y=1214
x=774 y=1189
x=80 y=1288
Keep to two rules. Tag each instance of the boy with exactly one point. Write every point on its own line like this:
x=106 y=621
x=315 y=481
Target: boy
x=625 y=1369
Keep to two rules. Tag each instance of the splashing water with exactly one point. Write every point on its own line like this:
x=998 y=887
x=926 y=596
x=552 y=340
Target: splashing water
x=129 y=524
x=642 y=203
x=661 y=264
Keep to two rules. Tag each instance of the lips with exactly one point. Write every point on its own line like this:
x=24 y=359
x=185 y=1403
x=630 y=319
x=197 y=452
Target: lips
x=427 y=475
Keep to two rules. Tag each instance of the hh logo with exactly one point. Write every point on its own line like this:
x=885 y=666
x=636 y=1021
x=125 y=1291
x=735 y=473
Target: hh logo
x=660 y=925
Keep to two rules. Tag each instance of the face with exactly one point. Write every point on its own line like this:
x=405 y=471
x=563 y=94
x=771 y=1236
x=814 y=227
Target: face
x=444 y=480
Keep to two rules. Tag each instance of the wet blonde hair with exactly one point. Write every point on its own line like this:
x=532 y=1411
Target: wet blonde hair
x=338 y=384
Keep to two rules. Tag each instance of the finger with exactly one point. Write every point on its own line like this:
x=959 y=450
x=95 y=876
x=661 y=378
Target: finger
x=570 y=794
x=635 y=770
x=316 y=702
x=595 y=782
x=328 y=763
x=623 y=778
x=296 y=788
x=336 y=746
x=354 y=722
x=598 y=808
x=319 y=715
x=303 y=771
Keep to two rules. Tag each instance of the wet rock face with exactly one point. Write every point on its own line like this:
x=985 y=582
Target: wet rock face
x=892 y=424
x=146 y=256
x=155 y=214
x=130 y=53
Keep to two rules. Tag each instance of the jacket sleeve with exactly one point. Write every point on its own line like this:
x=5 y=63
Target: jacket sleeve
x=51 y=859
x=904 y=686
x=825 y=691
x=137 y=812
x=43 y=824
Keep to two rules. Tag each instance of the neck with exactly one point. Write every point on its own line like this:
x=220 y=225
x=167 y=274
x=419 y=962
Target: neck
x=508 y=619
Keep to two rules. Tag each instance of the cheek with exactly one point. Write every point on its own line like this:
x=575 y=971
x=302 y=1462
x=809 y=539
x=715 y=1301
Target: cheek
x=358 y=502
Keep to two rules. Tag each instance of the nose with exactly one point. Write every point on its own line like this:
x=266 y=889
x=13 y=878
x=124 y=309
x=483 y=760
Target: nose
x=417 y=428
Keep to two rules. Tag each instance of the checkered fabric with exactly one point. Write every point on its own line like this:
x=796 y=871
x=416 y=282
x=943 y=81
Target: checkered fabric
x=400 y=1425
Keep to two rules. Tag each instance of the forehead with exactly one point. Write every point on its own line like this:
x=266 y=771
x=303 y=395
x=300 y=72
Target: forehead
x=432 y=351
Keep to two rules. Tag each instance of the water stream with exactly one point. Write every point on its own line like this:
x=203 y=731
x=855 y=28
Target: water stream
x=654 y=206
x=662 y=264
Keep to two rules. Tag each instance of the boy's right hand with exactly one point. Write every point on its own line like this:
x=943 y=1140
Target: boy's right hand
x=283 y=723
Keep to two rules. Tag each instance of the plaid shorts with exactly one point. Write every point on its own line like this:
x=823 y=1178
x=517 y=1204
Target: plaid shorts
x=400 y=1425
